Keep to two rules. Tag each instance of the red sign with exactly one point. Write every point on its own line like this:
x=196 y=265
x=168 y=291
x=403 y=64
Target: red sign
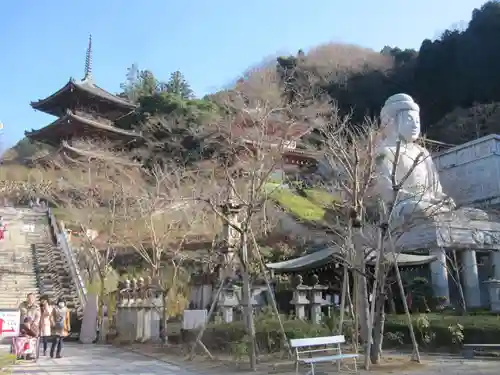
x=9 y=323
x=2 y=331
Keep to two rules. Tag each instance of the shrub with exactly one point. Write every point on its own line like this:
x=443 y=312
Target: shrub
x=226 y=336
x=432 y=331
x=484 y=329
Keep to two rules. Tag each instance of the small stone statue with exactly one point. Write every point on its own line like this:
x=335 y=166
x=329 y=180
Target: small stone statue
x=148 y=281
x=315 y=279
x=297 y=281
x=126 y=291
x=133 y=287
x=140 y=287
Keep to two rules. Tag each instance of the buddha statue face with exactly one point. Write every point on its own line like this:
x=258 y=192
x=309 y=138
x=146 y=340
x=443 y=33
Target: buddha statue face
x=408 y=125
x=400 y=119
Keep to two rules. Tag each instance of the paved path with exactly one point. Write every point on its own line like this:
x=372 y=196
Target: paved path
x=106 y=360
x=97 y=360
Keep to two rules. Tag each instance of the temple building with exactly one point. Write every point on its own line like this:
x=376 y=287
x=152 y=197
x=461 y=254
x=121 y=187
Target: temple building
x=84 y=110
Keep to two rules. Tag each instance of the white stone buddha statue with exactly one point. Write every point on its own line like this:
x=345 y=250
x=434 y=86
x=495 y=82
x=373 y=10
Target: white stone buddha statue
x=421 y=193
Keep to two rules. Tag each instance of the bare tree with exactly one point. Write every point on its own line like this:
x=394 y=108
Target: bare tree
x=91 y=194
x=455 y=269
x=252 y=139
x=348 y=168
x=148 y=211
x=160 y=221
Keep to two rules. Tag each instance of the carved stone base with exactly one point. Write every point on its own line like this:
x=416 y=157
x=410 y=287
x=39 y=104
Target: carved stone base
x=451 y=234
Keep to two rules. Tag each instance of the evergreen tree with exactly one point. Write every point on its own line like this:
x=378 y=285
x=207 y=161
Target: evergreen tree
x=139 y=83
x=178 y=85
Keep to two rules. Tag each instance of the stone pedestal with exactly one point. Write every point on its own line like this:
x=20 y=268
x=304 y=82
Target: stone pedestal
x=133 y=318
x=300 y=300
x=126 y=330
x=156 y=313
x=471 y=279
x=89 y=323
x=139 y=313
x=439 y=275
x=146 y=320
x=317 y=301
x=119 y=317
x=227 y=302
x=494 y=292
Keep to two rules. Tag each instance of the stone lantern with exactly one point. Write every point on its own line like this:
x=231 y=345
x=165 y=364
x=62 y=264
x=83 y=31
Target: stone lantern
x=300 y=298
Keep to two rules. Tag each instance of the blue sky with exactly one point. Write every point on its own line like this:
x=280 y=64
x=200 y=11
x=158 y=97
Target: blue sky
x=43 y=42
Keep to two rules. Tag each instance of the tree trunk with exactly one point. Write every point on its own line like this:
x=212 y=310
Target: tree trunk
x=272 y=295
x=164 y=315
x=375 y=293
x=353 y=315
x=390 y=299
x=378 y=330
x=102 y=334
x=416 y=353
x=362 y=305
x=247 y=290
x=379 y=321
x=458 y=279
x=343 y=299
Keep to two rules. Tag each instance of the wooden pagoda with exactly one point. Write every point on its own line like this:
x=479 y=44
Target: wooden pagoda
x=84 y=110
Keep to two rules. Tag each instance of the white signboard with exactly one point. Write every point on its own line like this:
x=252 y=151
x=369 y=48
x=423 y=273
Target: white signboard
x=9 y=323
x=194 y=319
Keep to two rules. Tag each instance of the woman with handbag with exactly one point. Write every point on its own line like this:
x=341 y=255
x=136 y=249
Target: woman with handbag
x=60 y=326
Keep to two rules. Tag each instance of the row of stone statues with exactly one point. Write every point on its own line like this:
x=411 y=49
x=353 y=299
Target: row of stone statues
x=140 y=288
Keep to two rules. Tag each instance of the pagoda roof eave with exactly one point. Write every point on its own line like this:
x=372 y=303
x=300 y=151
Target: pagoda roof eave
x=85 y=85
x=39 y=135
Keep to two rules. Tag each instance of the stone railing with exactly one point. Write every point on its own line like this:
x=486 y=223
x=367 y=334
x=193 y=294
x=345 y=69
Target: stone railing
x=63 y=245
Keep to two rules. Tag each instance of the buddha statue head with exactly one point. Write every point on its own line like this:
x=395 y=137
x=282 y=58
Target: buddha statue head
x=400 y=119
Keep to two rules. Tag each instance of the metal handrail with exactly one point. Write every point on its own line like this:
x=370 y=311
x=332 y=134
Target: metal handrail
x=63 y=244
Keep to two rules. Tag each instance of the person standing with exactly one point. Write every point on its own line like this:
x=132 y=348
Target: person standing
x=29 y=309
x=3 y=228
x=45 y=323
x=61 y=327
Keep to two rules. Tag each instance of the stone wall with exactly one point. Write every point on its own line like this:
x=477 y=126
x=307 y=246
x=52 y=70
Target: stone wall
x=470 y=173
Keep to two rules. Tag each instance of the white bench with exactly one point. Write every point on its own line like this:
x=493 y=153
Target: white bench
x=468 y=349
x=328 y=346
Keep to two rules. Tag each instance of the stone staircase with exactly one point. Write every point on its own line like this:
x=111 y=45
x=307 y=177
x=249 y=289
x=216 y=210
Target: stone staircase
x=54 y=277
x=33 y=261
x=17 y=271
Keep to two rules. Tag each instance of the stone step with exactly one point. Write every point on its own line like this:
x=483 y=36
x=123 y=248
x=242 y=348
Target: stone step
x=16 y=293
x=5 y=284
x=16 y=289
x=14 y=281
x=52 y=269
x=13 y=300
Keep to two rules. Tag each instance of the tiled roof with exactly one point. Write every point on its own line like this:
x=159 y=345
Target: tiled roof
x=46 y=133
x=86 y=85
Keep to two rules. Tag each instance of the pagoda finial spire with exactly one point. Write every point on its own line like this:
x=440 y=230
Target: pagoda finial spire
x=88 y=60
